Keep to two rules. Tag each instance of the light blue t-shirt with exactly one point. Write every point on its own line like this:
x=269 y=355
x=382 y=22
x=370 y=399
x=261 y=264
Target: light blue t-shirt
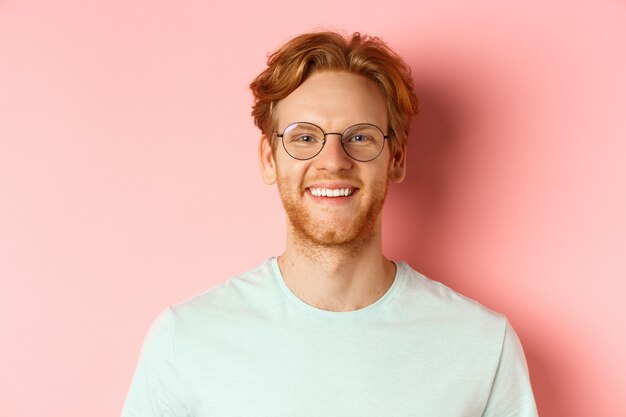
x=251 y=348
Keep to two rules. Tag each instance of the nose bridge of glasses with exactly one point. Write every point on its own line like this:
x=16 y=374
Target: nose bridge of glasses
x=327 y=147
x=340 y=142
x=333 y=133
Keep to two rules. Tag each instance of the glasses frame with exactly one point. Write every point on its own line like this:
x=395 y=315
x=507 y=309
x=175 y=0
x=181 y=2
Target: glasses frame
x=281 y=136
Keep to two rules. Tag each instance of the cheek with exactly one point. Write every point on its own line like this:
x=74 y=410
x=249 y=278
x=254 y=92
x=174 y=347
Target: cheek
x=289 y=177
x=380 y=175
x=290 y=168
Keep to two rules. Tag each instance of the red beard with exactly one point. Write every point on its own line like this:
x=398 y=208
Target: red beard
x=309 y=232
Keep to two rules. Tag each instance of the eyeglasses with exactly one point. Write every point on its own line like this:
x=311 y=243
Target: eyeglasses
x=362 y=142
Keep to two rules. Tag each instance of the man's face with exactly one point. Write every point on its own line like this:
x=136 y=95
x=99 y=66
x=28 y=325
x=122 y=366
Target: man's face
x=333 y=101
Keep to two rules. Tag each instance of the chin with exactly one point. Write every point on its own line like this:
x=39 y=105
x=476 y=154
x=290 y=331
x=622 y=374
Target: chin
x=354 y=235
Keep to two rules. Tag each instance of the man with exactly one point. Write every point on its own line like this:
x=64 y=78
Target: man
x=331 y=327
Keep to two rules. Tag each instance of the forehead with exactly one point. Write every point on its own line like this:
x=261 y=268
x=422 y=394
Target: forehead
x=333 y=100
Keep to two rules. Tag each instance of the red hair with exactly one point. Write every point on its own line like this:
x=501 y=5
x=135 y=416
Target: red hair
x=295 y=61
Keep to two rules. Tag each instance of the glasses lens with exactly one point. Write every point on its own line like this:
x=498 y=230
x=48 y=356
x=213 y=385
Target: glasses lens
x=303 y=140
x=363 y=142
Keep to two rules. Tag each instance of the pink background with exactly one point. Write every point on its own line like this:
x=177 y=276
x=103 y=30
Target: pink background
x=129 y=179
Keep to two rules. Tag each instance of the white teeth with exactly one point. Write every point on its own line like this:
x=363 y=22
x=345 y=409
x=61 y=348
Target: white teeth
x=328 y=192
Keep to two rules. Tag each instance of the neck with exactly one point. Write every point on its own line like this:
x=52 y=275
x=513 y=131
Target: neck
x=337 y=278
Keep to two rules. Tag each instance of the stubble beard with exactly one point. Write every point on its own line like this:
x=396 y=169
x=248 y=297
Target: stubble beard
x=311 y=235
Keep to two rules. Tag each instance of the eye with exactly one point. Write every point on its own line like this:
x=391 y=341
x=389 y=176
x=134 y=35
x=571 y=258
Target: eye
x=304 y=138
x=303 y=134
x=359 y=138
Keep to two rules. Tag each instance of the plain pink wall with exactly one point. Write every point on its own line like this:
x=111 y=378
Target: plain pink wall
x=129 y=180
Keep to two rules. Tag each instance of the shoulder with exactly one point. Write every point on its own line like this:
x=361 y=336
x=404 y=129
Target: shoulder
x=237 y=296
x=445 y=305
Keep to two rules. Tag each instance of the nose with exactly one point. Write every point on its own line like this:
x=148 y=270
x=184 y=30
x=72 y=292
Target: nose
x=333 y=157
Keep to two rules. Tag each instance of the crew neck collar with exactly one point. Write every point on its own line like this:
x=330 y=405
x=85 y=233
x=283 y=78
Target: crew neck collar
x=386 y=298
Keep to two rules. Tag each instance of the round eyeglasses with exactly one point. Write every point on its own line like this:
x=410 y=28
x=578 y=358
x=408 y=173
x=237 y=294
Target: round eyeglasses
x=362 y=142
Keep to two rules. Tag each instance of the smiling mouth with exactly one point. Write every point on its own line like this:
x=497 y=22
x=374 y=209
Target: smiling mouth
x=331 y=192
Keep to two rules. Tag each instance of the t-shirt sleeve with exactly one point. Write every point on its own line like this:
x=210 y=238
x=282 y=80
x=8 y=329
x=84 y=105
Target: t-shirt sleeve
x=156 y=390
x=511 y=394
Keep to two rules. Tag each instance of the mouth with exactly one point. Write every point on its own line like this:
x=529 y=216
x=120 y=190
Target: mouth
x=331 y=192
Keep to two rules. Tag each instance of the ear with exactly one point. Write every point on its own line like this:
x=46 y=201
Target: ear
x=266 y=161
x=397 y=166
